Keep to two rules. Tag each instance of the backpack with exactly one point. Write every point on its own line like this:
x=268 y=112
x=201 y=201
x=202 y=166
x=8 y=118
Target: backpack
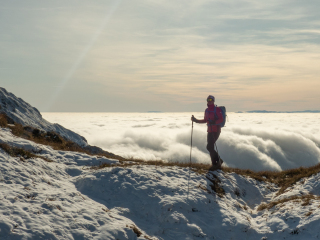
x=224 y=115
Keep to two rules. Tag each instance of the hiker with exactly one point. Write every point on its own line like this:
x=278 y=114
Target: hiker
x=212 y=116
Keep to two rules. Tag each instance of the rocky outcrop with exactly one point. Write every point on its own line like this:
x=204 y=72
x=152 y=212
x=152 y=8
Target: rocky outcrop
x=19 y=111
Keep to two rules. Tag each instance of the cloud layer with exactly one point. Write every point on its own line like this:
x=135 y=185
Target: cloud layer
x=250 y=141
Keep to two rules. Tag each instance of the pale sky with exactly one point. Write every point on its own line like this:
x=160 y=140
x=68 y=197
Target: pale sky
x=161 y=55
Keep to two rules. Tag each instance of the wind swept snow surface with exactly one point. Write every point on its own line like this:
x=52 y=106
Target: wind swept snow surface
x=66 y=199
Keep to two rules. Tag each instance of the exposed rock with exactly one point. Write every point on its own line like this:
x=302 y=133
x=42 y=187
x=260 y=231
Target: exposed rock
x=19 y=111
x=97 y=150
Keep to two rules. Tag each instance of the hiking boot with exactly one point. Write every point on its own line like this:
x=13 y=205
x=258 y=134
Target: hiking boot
x=218 y=166
x=214 y=167
x=221 y=161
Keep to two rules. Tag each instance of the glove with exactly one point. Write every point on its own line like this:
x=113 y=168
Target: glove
x=193 y=119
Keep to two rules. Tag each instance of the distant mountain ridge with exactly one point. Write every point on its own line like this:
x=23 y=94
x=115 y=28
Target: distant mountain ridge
x=265 y=111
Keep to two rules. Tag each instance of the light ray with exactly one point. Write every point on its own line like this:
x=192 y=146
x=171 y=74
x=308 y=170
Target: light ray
x=81 y=57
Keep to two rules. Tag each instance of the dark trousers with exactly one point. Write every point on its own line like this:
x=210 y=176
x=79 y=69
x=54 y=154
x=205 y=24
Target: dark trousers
x=212 y=137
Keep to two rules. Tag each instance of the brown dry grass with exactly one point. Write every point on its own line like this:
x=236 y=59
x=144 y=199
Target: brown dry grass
x=53 y=140
x=308 y=214
x=196 y=167
x=20 y=152
x=305 y=201
x=135 y=230
x=17 y=130
x=3 y=120
x=283 y=179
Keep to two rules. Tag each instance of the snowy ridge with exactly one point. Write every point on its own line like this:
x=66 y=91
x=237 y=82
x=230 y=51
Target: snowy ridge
x=65 y=199
x=21 y=112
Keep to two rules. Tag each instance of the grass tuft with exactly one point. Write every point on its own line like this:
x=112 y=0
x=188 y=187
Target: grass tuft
x=17 y=130
x=20 y=152
x=136 y=230
x=102 y=165
x=3 y=120
x=196 y=167
x=305 y=199
x=283 y=179
x=309 y=213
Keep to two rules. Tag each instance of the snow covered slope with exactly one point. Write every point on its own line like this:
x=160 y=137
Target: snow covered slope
x=21 y=112
x=65 y=199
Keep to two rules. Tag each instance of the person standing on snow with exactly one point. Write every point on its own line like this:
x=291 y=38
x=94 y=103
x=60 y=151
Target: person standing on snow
x=213 y=117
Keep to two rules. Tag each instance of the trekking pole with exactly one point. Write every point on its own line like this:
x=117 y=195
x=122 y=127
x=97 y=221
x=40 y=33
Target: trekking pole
x=190 y=160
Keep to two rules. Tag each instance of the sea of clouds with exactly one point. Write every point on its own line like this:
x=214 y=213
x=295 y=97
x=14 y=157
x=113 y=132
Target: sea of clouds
x=257 y=141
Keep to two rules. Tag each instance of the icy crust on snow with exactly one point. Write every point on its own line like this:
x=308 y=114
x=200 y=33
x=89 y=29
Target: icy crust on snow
x=65 y=199
x=21 y=112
